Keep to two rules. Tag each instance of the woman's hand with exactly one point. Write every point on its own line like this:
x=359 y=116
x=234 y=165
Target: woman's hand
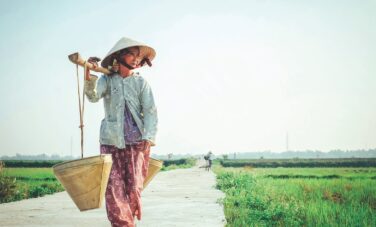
x=94 y=61
x=146 y=144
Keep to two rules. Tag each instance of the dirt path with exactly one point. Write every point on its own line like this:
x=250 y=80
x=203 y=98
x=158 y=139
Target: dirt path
x=183 y=197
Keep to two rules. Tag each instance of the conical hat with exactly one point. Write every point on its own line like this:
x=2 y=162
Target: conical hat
x=123 y=43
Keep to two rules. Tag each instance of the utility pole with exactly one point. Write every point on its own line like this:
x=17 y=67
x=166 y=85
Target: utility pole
x=287 y=141
x=71 y=146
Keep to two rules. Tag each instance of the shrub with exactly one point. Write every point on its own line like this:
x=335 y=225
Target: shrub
x=1 y=166
x=178 y=164
x=183 y=161
x=8 y=188
x=31 y=163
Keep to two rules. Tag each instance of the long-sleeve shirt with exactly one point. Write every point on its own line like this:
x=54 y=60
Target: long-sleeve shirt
x=117 y=92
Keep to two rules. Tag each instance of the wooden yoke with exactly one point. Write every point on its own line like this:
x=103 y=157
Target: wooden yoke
x=77 y=59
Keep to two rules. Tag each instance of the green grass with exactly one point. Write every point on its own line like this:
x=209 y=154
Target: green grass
x=29 y=183
x=349 y=173
x=30 y=173
x=254 y=198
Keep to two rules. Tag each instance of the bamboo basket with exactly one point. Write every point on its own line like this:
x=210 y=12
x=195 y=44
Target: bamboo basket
x=155 y=166
x=85 y=180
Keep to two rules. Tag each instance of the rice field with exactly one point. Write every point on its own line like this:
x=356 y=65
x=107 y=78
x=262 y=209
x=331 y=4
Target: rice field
x=24 y=183
x=298 y=196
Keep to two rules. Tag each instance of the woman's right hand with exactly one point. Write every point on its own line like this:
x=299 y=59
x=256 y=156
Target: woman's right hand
x=94 y=61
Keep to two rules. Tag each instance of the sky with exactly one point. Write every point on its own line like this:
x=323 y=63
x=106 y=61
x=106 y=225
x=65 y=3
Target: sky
x=229 y=76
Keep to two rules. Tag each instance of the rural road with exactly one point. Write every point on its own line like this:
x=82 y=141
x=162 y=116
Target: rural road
x=182 y=197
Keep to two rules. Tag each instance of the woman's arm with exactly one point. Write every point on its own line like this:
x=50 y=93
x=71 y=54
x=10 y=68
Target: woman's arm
x=149 y=112
x=95 y=89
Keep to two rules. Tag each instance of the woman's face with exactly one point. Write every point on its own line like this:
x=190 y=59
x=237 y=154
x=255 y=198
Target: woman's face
x=132 y=58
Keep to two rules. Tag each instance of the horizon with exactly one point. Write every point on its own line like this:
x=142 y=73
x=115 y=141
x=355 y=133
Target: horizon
x=285 y=154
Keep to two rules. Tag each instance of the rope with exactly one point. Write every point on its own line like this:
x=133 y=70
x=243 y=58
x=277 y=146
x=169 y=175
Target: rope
x=81 y=108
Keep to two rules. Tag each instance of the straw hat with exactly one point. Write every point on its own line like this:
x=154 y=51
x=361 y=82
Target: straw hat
x=145 y=50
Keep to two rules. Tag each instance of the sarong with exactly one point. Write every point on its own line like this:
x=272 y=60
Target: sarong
x=123 y=194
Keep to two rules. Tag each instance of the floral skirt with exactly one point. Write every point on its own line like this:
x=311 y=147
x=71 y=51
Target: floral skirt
x=123 y=194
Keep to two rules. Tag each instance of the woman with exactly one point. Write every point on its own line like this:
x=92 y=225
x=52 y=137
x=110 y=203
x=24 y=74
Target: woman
x=129 y=127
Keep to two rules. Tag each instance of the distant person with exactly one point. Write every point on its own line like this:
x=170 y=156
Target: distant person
x=209 y=158
x=129 y=127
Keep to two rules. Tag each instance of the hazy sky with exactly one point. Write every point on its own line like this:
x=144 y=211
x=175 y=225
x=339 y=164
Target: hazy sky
x=229 y=76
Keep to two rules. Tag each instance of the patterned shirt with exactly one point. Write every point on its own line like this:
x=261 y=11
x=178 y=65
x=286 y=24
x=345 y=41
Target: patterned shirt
x=132 y=134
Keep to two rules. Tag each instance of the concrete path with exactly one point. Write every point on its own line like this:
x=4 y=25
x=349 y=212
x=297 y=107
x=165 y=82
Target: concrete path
x=183 y=197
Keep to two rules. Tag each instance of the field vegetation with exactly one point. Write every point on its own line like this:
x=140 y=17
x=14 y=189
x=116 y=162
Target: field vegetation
x=298 y=196
x=23 y=183
x=297 y=162
x=178 y=164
